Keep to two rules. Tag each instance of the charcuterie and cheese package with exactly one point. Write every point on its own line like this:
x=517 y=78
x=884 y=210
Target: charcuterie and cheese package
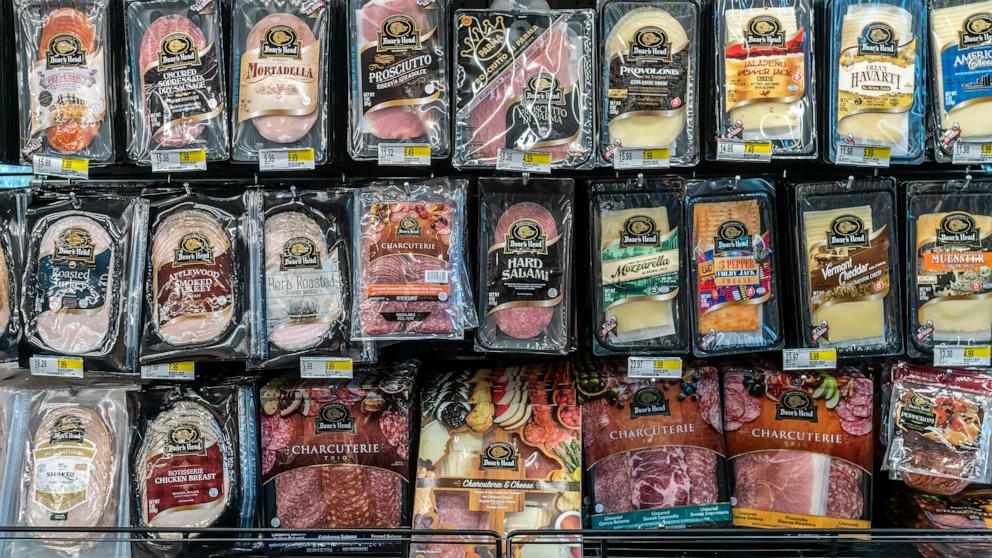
x=13 y=205
x=877 y=67
x=203 y=265
x=64 y=78
x=801 y=446
x=177 y=89
x=410 y=269
x=638 y=265
x=733 y=269
x=525 y=265
x=524 y=81
x=847 y=264
x=279 y=80
x=649 y=83
x=653 y=448
x=949 y=240
x=82 y=279
x=399 y=75
x=764 y=69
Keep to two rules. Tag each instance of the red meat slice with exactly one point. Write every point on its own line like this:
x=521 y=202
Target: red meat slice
x=181 y=134
x=661 y=479
x=701 y=466
x=299 y=504
x=453 y=513
x=69 y=135
x=844 y=499
x=387 y=491
x=346 y=492
x=612 y=484
x=775 y=481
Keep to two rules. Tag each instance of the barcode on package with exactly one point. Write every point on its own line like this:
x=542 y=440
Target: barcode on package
x=436 y=276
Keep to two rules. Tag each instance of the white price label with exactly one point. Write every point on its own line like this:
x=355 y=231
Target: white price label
x=641 y=158
x=58 y=166
x=809 y=359
x=326 y=368
x=285 y=159
x=404 y=155
x=524 y=161
x=169 y=371
x=960 y=355
x=59 y=367
x=179 y=160
x=972 y=153
x=738 y=150
x=863 y=155
x=654 y=367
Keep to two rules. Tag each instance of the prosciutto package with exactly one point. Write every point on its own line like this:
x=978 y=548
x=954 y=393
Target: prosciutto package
x=177 y=95
x=82 y=274
x=64 y=67
x=13 y=205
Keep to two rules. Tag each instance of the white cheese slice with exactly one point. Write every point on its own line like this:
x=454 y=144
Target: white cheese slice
x=974 y=120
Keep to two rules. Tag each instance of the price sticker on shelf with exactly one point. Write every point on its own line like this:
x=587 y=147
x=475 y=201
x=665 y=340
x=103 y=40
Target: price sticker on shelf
x=809 y=359
x=58 y=367
x=737 y=150
x=523 y=161
x=863 y=155
x=327 y=368
x=966 y=153
x=404 y=155
x=185 y=371
x=654 y=367
x=962 y=355
x=57 y=166
x=626 y=158
x=179 y=160
x=285 y=159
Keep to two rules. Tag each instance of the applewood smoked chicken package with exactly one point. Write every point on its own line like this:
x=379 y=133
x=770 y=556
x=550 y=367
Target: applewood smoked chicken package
x=800 y=447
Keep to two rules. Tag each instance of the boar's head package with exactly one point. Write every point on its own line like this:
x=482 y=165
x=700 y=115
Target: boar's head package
x=82 y=275
x=178 y=97
x=13 y=205
x=64 y=67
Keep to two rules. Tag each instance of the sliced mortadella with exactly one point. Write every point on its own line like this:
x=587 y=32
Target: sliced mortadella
x=70 y=134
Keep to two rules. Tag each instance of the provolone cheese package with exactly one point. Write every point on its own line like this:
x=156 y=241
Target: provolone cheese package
x=949 y=238
x=847 y=263
x=649 y=78
x=961 y=32
x=734 y=275
x=764 y=71
x=877 y=68
x=638 y=247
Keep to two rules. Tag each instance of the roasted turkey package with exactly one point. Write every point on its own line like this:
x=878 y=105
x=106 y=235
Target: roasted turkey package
x=82 y=278
x=65 y=65
x=177 y=92
x=13 y=205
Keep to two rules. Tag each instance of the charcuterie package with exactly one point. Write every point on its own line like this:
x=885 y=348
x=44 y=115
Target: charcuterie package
x=64 y=74
x=177 y=89
x=399 y=78
x=13 y=205
x=800 y=445
x=82 y=278
x=638 y=262
x=525 y=265
x=279 y=77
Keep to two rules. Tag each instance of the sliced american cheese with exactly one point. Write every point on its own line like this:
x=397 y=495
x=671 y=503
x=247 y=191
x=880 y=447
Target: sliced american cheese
x=973 y=119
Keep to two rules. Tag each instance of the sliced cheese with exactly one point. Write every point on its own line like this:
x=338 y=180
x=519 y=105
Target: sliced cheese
x=973 y=119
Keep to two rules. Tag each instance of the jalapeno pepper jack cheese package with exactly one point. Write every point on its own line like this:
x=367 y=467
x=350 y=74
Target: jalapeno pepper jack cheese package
x=650 y=74
x=848 y=266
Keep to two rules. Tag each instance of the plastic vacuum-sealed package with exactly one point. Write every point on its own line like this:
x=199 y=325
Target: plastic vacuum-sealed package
x=279 y=81
x=638 y=305
x=949 y=240
x=877 y=65
x=847 y=261
x=82 y=278
x=523 y=80
x=399 y=77
x=764 y=72
x=64 y=78
x=13 y=204
x=177 y=93
x=734 y=275
x=525 y=265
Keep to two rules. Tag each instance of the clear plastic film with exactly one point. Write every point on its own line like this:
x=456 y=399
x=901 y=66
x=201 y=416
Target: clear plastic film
x=765 y=74
x=13 y=205
x=650 y=75
x=399 y=75
x=64 y=77
x=279 y=77
x=177 y=94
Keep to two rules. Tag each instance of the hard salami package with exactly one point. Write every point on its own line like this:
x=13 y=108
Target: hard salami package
x=523 y=80
x=525 y=265
x=177 y=89
x=734 y=273
x=279 y=77
x=639 y=305
x=848 y=266
x=399 y=76
x=13 y=205
x=64 y=78
x=800 y=445
x=82 y=278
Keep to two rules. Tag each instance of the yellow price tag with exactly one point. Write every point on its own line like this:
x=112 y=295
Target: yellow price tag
x=655 y=154
x=667 y=364
x=978 y=352
x=417 y=151
x=299 y=155
x=187 y=366
x=987 y=149
x=877 y=152
x=338 y=366
x=758 y=148
x=537 y=158
x=70 y=363
x=76 y=165
x=192 y=157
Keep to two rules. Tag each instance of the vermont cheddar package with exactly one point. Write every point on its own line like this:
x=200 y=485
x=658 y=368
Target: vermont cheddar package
x=733 y=272
x=847 y=259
